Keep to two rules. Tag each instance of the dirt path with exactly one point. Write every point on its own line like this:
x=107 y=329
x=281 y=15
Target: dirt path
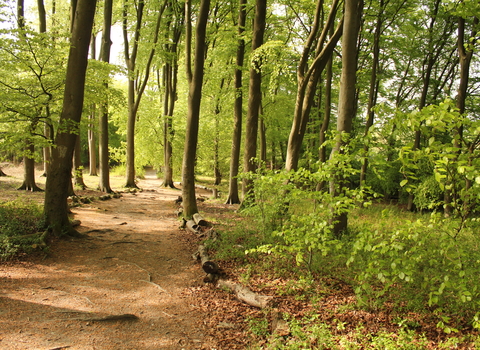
x=135 y=261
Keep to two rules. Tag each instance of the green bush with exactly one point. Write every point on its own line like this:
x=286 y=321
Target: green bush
x=19 y=222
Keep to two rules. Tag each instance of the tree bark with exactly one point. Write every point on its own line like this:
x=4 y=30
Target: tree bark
x=103 y=154
x=77 y=165
x=246 y=295
x=307 y=79
x=55 y=206
x=193 y=115
x=233 y=197
x=136 y=86
x=29 y=169
x=373 y=90
x=92 y=128
x=254 y=100
x=347 y=99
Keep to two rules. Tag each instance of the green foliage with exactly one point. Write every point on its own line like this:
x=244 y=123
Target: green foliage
x=296 y=219
x=417 y=263
x=18 y=224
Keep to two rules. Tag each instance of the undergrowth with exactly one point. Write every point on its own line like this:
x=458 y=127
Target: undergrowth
x=19 y=225
x=395 y=261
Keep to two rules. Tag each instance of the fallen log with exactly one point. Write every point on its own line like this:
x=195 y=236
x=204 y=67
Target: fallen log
x=199 y=220
x=208 y=265
x=246 y=295
x=192 y=226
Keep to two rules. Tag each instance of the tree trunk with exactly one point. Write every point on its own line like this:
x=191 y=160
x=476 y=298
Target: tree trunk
x=307 y=79
x=170 y=95
x=136 y=86
x=347 y=100
x=193 y=115
x=263 y=138
x=92 y=128
x=29 y=169
x=92 y=143
x=426 y=77
x=233 y=197
x=103 y=154
x=77 y=165
x=254 y=100
x=373 y=90
x=55 y=207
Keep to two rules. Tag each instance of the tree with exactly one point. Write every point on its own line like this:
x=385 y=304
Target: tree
x=254 y=98
x=233 y=197
x=92 y=131
x=104 y=160
x=170 y=82
x=308 y=76
x=55 y=205
x=347 y=98
x=136 y=83
x=195 y=79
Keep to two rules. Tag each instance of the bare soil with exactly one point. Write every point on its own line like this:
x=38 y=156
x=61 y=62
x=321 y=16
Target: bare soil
x=128 y=285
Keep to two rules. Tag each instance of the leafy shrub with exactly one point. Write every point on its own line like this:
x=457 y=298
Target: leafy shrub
x=18 y=222
x=428 y=194
x=422 y=262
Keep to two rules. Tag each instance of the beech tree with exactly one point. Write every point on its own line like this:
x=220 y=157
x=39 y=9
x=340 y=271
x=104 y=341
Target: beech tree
x=254 y=98
x=347 y=98
x=195 y=79
x=308 y=76
x=103 y=155
x=137 y=77
x=55 y=205
x=233 y=197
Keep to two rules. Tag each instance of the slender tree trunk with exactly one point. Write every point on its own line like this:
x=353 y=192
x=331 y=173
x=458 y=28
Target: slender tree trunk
x=55 y=207
x=307 y=79
x=254 y=100
x=136 y=86
x=169 y=100
x=103 y=154
x=77 y=165
x=263 y=137
x=373 y=90
x=426 y=77
x=233 y=197
x=92 y=127
x=347 y=99
x=193 y=115
x=92 y=142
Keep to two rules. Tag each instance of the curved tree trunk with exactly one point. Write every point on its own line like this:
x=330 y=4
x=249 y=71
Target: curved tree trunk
x=254 y=100
x=233 y=197
x=55 y=206
x=307 y=78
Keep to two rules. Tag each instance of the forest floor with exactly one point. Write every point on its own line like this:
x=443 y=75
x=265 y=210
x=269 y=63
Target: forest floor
x=130 y=284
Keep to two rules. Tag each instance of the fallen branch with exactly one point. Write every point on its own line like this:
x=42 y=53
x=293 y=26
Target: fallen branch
x=122 y=317
x=192 y=226
x=208 y=265
x=199 y=220
x=246 y=295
